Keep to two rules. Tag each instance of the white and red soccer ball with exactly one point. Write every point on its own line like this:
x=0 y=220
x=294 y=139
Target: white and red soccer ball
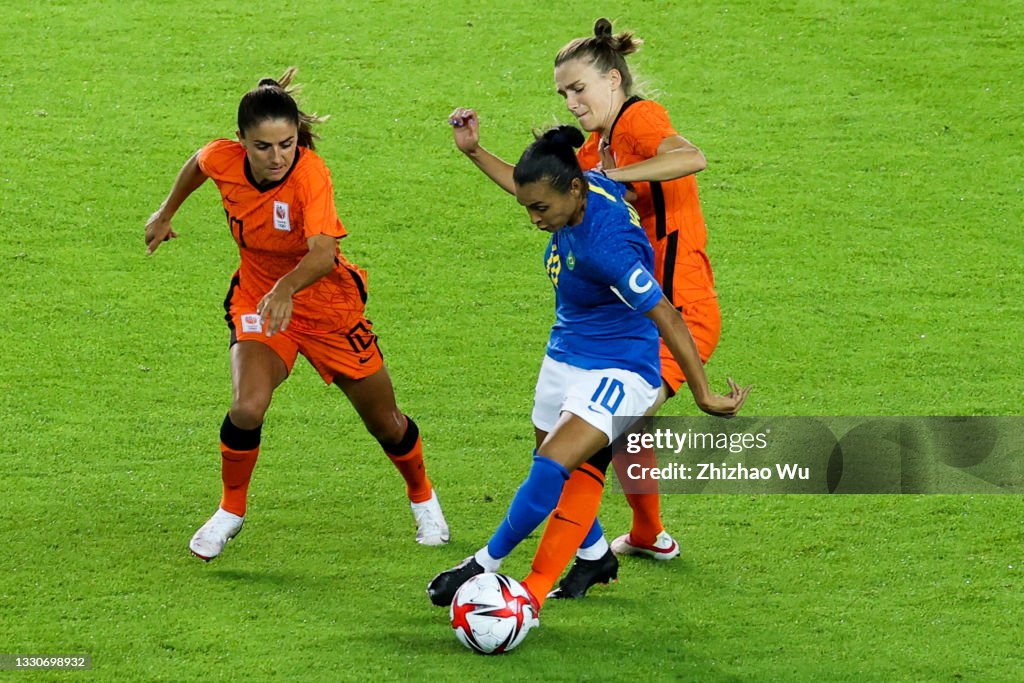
x=492 y=613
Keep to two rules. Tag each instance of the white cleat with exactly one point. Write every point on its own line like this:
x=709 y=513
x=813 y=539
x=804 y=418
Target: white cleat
x=431 y=527
x=664 y=548
x=209 y=541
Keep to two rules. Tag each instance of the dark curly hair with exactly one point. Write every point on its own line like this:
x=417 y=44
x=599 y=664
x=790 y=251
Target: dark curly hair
x=551 y=157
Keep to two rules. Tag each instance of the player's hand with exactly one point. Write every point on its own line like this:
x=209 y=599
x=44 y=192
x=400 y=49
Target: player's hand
x=275 y=311
x=607 y=163
x=607 y=159
x=158 y=229
x=465 y=129
x=726 y=406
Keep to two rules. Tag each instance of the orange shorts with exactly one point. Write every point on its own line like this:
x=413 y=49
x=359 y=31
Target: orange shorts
x=704 y=320
x=352 y=352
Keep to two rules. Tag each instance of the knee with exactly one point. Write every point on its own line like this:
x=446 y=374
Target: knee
x=387 y=428
x=248 y=413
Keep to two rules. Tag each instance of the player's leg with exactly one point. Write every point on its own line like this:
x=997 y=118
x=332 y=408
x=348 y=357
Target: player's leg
x=576 y=529
x=609 y=400
x=567 y=445
x=257 y=370
x=582 y=411
x=567 y=529
x=373 y=398
x=549 y=395
x=647 y=537
x=575 y=523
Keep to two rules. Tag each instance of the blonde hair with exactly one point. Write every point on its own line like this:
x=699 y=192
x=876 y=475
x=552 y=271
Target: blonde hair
x=604 y=51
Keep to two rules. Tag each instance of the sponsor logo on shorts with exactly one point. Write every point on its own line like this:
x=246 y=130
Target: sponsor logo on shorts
x=281 y=221
x=361 y=339
x=251 y=322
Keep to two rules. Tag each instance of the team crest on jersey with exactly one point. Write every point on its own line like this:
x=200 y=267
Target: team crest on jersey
x=281 y=219
x=570 y=261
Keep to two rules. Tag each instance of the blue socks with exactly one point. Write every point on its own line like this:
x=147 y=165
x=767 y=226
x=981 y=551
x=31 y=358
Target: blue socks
x=595 y=533
x=532 y=504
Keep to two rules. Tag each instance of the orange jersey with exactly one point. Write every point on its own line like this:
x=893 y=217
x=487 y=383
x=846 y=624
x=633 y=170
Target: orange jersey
x=271 y=225
x=669 y=210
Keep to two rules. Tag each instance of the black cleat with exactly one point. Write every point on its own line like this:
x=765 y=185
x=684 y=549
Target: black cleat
x=442 y=587
x=584 y=574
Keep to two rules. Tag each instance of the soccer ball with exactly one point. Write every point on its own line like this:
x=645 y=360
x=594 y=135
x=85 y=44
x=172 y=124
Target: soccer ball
x=492 y=613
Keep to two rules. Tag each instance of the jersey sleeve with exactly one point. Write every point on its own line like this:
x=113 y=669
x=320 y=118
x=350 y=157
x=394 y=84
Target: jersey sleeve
x=647 y=127
x=588 y=155
x=316 y=194
x=638 y=288
x=214 y=157
x=614 y=244
x=619 y=264
x=616 y=260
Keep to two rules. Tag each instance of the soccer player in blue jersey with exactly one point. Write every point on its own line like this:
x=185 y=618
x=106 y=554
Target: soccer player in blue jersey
x=602 y=367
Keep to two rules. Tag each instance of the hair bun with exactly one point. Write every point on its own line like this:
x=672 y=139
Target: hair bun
x=268 y=82
x=569 y=136
x=603 y=29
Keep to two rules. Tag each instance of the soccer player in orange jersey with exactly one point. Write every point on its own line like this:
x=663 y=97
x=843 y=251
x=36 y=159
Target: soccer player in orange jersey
x=294 y=292
x=633 y=142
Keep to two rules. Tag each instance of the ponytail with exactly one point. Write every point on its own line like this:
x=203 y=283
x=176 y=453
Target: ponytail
x=604 y=51
x=551 y=157
x=274 y=99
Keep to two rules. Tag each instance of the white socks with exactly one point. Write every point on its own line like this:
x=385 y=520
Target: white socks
x=485 y=560
x=594 y=552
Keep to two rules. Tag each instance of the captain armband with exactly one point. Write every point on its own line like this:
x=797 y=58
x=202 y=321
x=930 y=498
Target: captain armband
x=638 y=289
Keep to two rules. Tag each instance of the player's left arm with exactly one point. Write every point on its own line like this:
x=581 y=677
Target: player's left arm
x=275 y=309
x=680 y=342
x=675 y=157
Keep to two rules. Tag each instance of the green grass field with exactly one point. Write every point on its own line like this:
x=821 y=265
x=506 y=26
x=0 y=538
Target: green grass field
x=864 y=201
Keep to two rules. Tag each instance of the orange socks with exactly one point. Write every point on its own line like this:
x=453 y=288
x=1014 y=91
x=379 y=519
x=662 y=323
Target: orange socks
x=239 y=449
x=566 y=528
x=407 y=457
x=646 y=517
x=236 y=471
x=643 y=497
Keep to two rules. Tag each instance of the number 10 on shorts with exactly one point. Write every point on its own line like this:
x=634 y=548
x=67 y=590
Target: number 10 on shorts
x=609 y=394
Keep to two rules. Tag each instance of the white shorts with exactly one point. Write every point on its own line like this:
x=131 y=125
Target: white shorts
x=610 y=400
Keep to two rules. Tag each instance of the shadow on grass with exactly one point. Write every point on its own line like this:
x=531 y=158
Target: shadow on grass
x=259 y=577
x=610 y=635
x=586 y=648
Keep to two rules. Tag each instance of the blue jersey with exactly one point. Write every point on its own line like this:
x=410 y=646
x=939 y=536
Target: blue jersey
x=600 y=270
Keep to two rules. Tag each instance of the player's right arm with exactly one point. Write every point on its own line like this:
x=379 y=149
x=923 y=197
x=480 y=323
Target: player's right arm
x=680 y=342
x=466 y=131
x=158 y=227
